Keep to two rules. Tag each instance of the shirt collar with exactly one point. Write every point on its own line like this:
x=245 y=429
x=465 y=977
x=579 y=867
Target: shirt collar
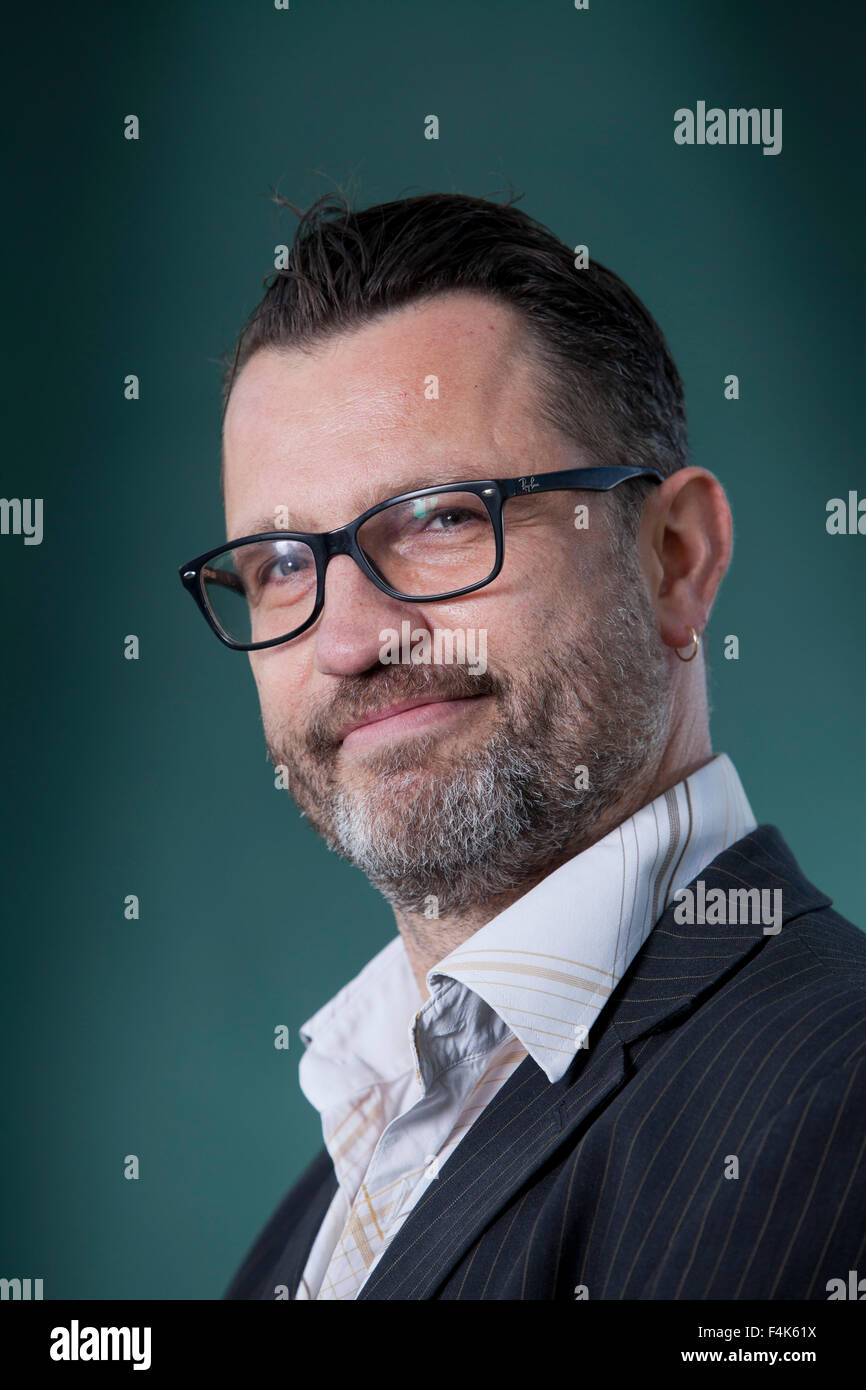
x=548 y=963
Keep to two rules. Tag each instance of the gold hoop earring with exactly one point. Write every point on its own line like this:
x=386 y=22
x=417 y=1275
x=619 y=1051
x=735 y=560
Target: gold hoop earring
x=697 y=642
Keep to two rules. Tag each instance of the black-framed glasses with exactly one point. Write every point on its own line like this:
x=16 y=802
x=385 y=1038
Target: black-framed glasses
x=422 y=546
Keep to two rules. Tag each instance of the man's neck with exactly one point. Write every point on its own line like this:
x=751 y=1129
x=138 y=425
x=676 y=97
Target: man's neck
x=429 y=940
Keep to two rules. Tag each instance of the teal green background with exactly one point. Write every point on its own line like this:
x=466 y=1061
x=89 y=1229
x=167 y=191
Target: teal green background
x=155 y=1037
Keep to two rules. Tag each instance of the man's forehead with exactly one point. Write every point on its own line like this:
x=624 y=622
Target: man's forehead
x=332 y=494
x=393 y=406
x=271 y=408
x=465 y=342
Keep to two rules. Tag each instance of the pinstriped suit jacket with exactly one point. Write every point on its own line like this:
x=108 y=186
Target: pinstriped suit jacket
x=709 y=1144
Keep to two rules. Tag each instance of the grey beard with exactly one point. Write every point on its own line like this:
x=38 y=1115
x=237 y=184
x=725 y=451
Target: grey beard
x=438 y=838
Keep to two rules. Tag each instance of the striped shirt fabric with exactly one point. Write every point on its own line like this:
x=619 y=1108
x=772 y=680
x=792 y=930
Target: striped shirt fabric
x=399 y=1080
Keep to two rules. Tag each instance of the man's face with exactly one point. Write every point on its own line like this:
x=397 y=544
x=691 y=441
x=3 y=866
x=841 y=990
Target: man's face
x=480 y=785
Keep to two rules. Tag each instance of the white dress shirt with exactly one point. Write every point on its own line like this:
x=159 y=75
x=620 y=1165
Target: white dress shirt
x=399 y=1080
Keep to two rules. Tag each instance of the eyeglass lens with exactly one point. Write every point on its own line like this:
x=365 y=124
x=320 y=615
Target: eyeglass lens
x=265 y=590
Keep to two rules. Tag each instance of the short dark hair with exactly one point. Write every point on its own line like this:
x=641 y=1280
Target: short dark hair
x=607 y=379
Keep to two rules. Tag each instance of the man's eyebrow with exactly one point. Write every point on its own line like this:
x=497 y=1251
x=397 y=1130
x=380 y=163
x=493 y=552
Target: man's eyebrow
x=380 y=491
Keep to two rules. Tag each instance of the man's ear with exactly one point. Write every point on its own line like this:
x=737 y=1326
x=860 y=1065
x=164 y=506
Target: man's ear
x=685 y=543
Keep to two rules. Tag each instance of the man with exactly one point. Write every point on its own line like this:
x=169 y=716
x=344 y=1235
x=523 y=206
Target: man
x=616 y=1049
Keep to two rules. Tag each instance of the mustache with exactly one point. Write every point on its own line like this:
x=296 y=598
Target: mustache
x=359 y=696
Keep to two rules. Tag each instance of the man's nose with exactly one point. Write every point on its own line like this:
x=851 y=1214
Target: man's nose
x=355 y=620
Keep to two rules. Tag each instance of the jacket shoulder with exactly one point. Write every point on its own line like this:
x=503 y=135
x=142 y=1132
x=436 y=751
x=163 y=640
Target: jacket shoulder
x=838 y=943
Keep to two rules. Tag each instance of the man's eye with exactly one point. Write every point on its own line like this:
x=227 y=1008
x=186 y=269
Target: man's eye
x=283 y=567
x=449 y=519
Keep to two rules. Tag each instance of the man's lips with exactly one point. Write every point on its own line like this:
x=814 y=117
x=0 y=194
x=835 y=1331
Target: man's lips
x=404 y=716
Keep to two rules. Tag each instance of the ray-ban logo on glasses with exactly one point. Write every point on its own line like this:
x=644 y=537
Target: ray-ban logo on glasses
x=528 y=484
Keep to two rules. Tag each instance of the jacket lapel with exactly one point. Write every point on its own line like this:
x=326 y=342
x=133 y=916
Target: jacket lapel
x=530 y=1117
x=512 y=1137
x=313 y=1202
